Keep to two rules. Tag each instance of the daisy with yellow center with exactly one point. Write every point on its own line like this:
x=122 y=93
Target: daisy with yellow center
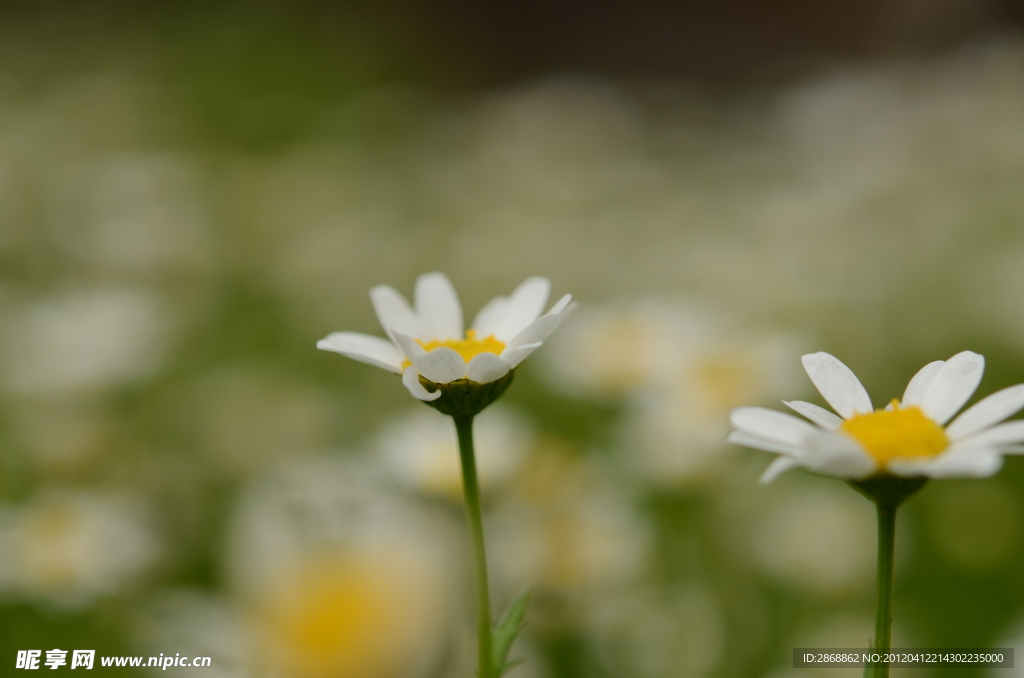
x=908 y=438
x=428 y=341
x=465 y=372
x=888 y=454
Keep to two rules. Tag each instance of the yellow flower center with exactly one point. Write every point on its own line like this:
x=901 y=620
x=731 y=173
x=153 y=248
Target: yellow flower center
x=902 y=432
x=468 y=348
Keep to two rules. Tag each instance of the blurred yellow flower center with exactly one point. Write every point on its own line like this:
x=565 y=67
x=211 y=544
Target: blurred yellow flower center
x=727 y=378
x=904 y=433
x=468 y=348
x=342 y=616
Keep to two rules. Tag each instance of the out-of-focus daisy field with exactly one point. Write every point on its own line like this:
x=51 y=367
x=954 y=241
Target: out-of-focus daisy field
x=192 y=195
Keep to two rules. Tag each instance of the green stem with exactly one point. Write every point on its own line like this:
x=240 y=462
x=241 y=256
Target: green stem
x=886 y=559
x=887 y=492
x=471 y=489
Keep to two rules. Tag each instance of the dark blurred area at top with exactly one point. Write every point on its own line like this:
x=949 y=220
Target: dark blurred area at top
x=262 y=75
x=707 y=39
x=464 y=44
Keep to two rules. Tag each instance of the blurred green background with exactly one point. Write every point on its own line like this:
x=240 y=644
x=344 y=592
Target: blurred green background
x=192 y=194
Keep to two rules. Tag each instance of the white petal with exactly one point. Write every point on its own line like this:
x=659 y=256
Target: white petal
x=834 y=454
x=976 y=462
x=441 y=365
x=364 y=348
x=918 y=385
x=517 y=355
x=819 y=415
x=537 y=331
x=837 y=384
x=986 y=412
x=566 y=310
x=771 y=425
x=952 y=386
x=411 y=379
x=524 y=306
x=758 y=443
x=445 y=366
x=438 y=307
x=1010 y=433
x=410 y=347
x=777 y=468
x=487 y=367
x=488 y=320
x=540 y=329
x=393 y=312
x=561 y=304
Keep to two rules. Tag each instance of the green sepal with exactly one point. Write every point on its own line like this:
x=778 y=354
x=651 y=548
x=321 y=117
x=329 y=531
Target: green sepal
x=888 y=490
x=465 y=398
x=505 y=633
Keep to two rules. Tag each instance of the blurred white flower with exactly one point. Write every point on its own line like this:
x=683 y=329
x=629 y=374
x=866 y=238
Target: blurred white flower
x=430 y=340
x=593 y=543
x=566 y=529
x=650 y=633
x=679 y=367
x=194 y=624
x=67 y=549
x=908 y=438
x=422 y=453
x=816 y=540
x=676 y=435
x=1011 y=636
x=85 y=340
x=617 y=350
x=137 y=213
x=337 y=578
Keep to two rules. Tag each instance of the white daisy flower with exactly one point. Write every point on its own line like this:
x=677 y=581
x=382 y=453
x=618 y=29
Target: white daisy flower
x=429 y=340
x=908 y=438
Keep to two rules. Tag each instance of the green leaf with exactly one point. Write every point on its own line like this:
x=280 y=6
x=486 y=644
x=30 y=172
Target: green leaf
x=508 y=667
x=505 y=633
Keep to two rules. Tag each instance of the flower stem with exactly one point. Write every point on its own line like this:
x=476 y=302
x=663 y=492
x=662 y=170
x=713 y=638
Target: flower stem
x=886 y=560
x=471 y=490
x=887 y=492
